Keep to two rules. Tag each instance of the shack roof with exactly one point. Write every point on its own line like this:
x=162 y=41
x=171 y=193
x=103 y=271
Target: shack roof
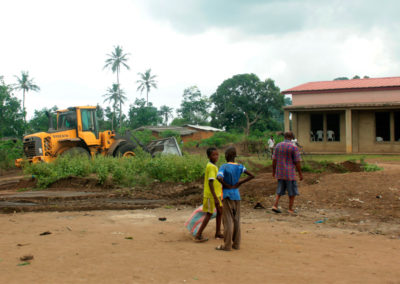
x=388 y=83
x=204 y=128
x=181 y=130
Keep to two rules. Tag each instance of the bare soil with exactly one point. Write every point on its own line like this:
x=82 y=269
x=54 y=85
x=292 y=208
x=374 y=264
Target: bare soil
x=347 y=231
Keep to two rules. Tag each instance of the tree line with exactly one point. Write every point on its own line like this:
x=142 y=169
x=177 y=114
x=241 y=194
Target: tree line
x=241 y=103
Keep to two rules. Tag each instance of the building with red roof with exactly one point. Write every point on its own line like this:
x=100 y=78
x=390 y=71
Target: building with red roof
x=346 y=116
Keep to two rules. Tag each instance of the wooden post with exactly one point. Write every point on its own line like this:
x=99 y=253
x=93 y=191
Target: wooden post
x=349 y=134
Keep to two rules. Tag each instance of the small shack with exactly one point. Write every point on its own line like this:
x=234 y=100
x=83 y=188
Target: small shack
x=187 y=133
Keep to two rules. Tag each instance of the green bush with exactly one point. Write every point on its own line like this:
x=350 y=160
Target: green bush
x=371 y=168
x=138 y=170
x=9 y=151
x=220 y=139
x=144 y=136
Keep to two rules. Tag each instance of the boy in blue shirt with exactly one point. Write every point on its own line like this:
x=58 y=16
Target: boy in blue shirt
x=229 y=175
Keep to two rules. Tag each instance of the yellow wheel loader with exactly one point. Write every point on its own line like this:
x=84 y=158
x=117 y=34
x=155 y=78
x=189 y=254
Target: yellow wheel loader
x=77 y=133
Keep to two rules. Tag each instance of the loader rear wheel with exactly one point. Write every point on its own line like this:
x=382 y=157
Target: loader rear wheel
x=76 y=152
x=125 y=150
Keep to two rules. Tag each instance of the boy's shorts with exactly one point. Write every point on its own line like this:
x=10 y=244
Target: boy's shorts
x=289 y=185
x=209 y=205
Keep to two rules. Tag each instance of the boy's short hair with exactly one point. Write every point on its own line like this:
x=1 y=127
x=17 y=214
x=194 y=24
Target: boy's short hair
x=230 y=153
x=210 y=150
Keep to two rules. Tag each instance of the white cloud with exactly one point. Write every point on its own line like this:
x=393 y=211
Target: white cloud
x=63 y=45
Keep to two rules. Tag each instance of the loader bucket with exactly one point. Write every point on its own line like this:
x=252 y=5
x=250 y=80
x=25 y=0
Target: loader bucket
x=164 y=146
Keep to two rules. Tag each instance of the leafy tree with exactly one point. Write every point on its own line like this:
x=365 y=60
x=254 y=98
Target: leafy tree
x=166 y=113
x=114 y=96
x=340 y=78
x=11 y=114
x=194 y=107
x=178 y=121
x=115 y=61
x=243 y=100
x=102 y=118
x=40 y=120
x=146 y=82
x=25 y=84
x=141 y=114
x=356 y=77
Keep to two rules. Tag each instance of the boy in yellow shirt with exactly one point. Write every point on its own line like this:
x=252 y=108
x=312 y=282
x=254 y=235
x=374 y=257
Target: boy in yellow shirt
x=212 y=196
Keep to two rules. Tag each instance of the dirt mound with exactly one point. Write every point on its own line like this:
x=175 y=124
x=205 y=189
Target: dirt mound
x=352 y=166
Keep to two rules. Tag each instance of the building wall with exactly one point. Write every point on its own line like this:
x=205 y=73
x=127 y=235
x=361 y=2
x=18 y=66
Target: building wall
x=367 y=137
x=346 y=97
x=302 y=126
x=363 y=134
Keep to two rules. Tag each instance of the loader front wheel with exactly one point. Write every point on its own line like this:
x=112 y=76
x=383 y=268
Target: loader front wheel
x=125 y=150
x=76 y=152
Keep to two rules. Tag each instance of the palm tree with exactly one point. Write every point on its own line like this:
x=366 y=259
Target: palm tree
x=114 y=61
x=115 y=95
x=25 y=84
x=166 y=112
x=146 y=82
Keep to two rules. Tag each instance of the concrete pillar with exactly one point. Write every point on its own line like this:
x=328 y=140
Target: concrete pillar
x=286 y=119
x=392 y=126
x=294 y=125
x=349 y=134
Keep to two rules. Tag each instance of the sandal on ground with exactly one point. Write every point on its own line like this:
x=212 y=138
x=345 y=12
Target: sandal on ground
x=200 y=239
x=219 y=236
x=292 y=212
x=276 y=210
x=221 y=247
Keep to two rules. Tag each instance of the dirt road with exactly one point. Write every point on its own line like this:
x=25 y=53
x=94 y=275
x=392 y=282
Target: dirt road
x=135 y=247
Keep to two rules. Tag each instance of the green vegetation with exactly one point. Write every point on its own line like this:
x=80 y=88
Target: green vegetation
x=9 y=151
x=139 y=170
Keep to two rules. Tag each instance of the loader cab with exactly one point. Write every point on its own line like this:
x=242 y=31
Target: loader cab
x=83 y=120
x=88 y=126
x=66 y=120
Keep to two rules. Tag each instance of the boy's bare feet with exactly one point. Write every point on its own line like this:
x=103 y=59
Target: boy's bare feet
x=200 y=239
x=276 y=209
x=221 y=247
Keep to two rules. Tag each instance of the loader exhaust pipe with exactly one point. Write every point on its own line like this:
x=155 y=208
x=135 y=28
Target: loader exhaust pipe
x=51 y=126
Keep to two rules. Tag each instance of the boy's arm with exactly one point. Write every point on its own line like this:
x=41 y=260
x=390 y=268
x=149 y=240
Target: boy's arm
x=250 y=177
x=216 y=199
x=273 y=167
x=224 y=184
x=298 y=167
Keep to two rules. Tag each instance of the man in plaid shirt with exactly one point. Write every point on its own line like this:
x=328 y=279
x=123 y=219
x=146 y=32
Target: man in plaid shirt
x=285 y=160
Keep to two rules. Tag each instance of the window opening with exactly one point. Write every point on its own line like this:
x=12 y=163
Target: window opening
x=397 y=125
x=317 y=127
x=87 y=122
x=382 y=126
x=66 y=120
x=333 y=127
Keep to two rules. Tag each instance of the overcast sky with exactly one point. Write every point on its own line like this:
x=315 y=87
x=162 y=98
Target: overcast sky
x=63 y=44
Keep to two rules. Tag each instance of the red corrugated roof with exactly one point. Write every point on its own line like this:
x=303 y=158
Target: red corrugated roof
x=353 y=84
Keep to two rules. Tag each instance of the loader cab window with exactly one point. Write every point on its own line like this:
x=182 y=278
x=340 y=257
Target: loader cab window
x=66 y=120
x=89 y=121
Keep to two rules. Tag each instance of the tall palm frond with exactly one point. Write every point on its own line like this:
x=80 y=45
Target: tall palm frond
x=25 y=84
x=115 y=60
x=146 y=82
